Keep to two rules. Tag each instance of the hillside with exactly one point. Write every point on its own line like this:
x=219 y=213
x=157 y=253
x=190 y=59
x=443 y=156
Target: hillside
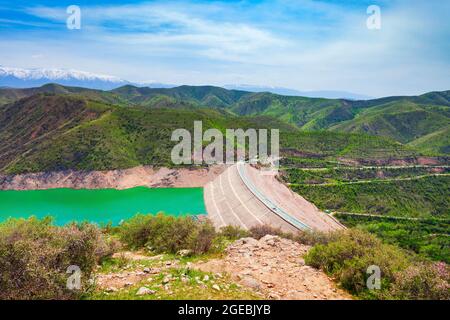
x=437 y=142
x=47 y=132
x=404 y=121
x=425 y=198
x=420 y=121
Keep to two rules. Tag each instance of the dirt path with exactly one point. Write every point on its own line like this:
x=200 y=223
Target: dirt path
x=138 y=268
x=384 y=216
x=274 y=267
x=370 y=181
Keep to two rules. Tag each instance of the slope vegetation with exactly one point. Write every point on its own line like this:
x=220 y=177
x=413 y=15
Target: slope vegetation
x=48 y=132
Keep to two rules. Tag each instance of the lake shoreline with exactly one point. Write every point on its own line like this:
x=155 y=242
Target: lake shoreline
x=142 y=176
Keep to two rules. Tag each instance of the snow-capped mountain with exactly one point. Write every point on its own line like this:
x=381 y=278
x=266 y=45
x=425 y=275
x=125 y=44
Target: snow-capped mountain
x=25 y=78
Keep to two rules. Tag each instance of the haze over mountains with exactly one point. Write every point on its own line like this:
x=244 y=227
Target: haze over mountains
x=27 y=78
x=329 y=94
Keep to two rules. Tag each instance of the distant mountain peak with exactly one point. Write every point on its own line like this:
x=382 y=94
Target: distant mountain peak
x=23 y=78
x=55 y=74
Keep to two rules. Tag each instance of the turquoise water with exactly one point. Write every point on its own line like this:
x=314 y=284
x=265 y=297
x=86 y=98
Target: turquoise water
x=100 y=206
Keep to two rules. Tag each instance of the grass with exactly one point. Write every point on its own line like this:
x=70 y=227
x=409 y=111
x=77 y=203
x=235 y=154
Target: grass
x=427 y=197
x=437 y=142
x=185 y=283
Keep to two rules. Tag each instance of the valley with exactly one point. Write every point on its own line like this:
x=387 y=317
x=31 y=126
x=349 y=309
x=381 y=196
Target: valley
x=378 y=167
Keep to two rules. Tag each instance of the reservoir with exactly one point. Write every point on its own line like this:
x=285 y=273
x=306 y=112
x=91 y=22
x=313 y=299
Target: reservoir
x=100 y=206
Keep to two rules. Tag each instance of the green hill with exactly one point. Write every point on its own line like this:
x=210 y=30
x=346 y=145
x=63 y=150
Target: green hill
x=403 y=121
x=437 y=142
x=420 y=121
x=46 y=132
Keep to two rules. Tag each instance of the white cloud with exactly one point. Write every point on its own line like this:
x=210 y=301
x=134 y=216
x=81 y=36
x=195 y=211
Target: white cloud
x=304 y=44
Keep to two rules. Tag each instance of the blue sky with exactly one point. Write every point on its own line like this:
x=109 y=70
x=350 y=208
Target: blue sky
x=299 y=44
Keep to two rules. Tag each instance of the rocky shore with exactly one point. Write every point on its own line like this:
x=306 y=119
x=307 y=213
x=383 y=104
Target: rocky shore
x=145 y=176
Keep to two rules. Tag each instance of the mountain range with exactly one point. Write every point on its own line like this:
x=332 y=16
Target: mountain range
x=55 y=127
x=27 y=78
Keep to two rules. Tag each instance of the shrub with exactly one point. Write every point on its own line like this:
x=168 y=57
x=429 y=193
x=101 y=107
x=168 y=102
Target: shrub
x=314 y=237
x=348 y=256
x=423 y=280
x=233 y=233
x=35 y=256
x=163 y=233
x=260 y=231
x=202 y=237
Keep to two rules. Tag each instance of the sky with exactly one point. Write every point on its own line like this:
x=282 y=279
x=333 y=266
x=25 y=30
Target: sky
x=299 y=44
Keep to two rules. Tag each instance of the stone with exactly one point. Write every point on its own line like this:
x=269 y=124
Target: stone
x=206 y=278
x=247 y=241
x=216 y=287
x=146 y=270
x=274 y=296
x=184 y=253
x=144 y=291
x=251 y=283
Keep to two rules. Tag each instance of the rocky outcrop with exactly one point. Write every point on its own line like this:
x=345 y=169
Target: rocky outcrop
x=274 y=267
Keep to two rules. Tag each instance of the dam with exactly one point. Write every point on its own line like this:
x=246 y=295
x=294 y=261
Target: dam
x=244 y=197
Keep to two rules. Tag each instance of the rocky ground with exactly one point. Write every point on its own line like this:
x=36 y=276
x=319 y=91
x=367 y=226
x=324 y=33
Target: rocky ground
x=274 y=267
x=271 y=268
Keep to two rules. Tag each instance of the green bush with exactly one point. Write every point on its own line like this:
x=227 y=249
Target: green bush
x=233 y=233
x=348 y=256
x=35 y=256
x=426 y=237
x=163 y=233
x=309 y=237
x=201 y=237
